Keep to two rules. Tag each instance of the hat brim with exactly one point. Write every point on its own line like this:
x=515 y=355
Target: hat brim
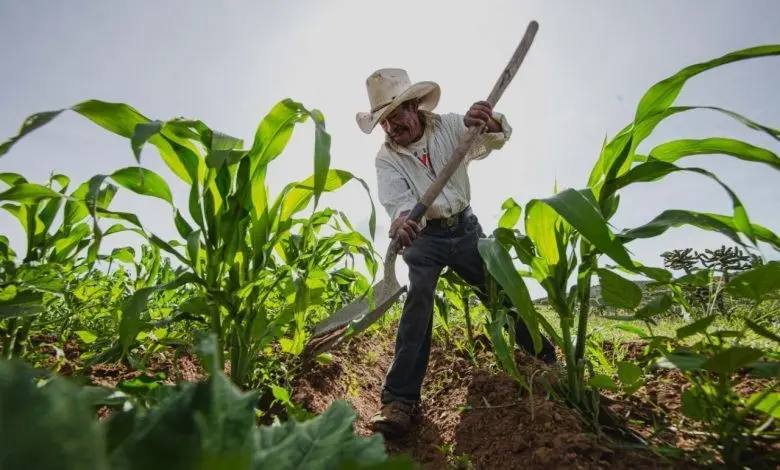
x=428 y=93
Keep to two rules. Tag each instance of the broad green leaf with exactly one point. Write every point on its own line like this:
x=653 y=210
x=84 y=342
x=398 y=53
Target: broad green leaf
x=499 y=265
x=676 y=149
x=712 y=222
x=221 y=147
x=655 y=306
x=699 y=326
x=30 y=124
x=28 y=193
x=618 y=291
x=512 y=212
x=86 y=336
x=325 y=442
x=693 y=406
x=581 y=211
x=755 y=283
x=683 y=361
x=630 y=375
x=131 y=323
x=654 y=107
x=632 y=329
x=768 y=403
x=321 y=154
x=299 y=194
x=661 y=95
x=47 y=427
x=141 y=134
x=732 y=359
x=144 y=182
x=654 y=170
x=12 y=179
x=603 y=382
x=760 y=330
x=125 y=254
x=20 y=303
x=700 y=278
x=541 y=223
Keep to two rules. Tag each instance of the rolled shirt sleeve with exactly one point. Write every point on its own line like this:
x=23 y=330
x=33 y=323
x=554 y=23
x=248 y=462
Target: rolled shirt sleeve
x=490 y=140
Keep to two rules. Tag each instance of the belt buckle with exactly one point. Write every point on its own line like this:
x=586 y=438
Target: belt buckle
x=450 y=221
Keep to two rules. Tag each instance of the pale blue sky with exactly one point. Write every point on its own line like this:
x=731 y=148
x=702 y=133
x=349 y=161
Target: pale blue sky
x=228 y=63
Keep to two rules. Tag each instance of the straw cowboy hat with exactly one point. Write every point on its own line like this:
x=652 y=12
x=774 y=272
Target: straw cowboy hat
x=388 y=88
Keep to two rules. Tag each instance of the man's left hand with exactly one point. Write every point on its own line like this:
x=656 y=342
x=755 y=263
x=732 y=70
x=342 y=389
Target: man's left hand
x=479 y=113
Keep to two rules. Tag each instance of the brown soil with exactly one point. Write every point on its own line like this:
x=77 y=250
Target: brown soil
x=472 y=415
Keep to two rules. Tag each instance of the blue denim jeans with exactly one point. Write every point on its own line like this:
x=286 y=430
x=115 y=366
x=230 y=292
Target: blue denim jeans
x=434 y=249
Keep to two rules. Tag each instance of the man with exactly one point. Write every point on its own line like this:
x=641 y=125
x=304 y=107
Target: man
x=418 y=143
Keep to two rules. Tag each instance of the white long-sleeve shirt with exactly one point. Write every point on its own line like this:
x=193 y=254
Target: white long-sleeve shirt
x=403 y=177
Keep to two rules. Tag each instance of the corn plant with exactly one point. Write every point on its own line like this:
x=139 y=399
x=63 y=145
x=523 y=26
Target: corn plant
x=719 y=359
x=567 y=233
x=56 y=235
x=241 y=246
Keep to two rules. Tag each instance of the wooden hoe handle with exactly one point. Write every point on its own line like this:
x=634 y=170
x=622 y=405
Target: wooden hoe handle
x=474 y=132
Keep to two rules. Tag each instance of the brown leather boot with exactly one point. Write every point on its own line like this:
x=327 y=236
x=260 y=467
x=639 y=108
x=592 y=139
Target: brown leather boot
x=394 y=419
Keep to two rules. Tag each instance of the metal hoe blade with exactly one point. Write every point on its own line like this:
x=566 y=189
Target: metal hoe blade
x=357 y=316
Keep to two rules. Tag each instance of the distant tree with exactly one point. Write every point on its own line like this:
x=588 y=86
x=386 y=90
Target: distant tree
x=681 y=260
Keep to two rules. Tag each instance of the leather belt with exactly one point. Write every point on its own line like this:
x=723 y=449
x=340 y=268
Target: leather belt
x=451 y=221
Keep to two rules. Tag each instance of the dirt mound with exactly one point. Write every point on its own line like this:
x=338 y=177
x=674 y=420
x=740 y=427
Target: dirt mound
x=473 y=416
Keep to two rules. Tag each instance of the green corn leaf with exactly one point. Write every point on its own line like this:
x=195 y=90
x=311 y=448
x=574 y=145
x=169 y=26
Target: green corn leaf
x=768 y=403
x=120 y=119
x=630 y=377
x=618 y=291
x=144 y=182
x=131 y=324
x=630 y=374
x=693 y=406
x=632 y=329
x=541 y=224
x=321 y=154
x=125 y=255
x=274 y=132
x=655 y=306
x=511 y=215
x=760 y=330
x=603 y=382
x=30 y=124
x=756 y=283
x=732 y=359
x=655 y=106
x=700 y=278
x=28 y=193
x=581 y=211
x=683 y=361
x=654 y=170
x=661 y=95
x=706 y=221
x=141 y=134
x=220 y=149
x=699 y=326
x=12 y=179
x=674 y=150
x=499 y=265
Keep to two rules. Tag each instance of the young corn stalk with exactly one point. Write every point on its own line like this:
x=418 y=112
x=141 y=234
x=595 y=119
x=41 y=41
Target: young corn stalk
x=242 y=247
x=569 y=232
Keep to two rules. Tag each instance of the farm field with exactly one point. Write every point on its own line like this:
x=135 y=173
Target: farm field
x=191 y=352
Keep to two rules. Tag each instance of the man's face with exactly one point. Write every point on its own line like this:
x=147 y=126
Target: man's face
x=403 y=124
